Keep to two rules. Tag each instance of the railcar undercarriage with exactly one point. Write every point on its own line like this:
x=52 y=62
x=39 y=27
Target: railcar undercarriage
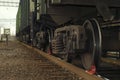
x=67 y=29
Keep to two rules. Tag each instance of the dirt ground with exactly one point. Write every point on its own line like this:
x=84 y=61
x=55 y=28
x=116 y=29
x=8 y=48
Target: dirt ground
x=19 y=63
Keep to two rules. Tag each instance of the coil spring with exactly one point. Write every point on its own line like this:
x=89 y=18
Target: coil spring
x=57 y=44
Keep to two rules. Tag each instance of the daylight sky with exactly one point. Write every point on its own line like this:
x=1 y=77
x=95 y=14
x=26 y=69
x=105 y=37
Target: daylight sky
x=8 y=17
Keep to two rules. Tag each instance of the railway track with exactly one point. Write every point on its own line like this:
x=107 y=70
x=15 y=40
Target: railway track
x=18 y=62
x=110 y=69
x=106 y=71
x=24 y=60
x=80 y=73
x=110 y=73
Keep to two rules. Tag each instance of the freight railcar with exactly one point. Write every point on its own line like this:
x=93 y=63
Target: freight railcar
x=18 y=18
x=70 y=28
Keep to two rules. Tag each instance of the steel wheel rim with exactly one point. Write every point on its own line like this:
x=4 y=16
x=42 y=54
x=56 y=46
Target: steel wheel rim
x=92 y=55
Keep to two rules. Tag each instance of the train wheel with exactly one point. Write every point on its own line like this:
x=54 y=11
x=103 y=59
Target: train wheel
x=48 y=49
x=93 y=44
x=65 y=57
x=34 y=43
x=86 y=60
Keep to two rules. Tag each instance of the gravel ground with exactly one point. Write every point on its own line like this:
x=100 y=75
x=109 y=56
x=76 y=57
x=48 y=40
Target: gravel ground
x=19 y=63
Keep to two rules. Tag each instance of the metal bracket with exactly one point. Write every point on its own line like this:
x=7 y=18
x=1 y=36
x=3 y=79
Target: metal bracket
x=104 y=10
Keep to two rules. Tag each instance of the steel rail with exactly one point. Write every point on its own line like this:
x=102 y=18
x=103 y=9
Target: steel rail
x=78 y=71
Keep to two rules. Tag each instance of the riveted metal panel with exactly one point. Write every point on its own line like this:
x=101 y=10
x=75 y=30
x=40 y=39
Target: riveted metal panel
x=24 y=13
x=110 y=3
x=55 y=1
x=18 y=19
x=31 y=6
